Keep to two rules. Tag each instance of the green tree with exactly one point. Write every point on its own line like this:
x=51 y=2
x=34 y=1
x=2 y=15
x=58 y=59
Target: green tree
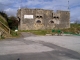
x=4 y=15
x=13 y=22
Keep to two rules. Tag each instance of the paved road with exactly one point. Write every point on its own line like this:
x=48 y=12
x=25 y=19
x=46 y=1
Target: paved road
x=28 y=49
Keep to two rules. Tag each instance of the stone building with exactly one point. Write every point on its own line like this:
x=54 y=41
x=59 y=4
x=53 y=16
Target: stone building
x=39 y=19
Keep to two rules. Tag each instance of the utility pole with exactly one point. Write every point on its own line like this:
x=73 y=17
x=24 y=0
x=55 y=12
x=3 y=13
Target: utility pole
x=69 y=12
x=68 y=6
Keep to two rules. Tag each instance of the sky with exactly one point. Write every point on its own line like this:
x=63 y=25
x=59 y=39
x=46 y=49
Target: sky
x=11 y=6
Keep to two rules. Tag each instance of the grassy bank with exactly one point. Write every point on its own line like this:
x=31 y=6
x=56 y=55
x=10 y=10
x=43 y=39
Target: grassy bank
x=74 y=29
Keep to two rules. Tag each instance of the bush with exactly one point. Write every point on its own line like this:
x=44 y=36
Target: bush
x=14 y=34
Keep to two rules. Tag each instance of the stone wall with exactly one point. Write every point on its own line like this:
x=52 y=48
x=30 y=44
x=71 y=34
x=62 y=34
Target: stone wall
x=43 y=19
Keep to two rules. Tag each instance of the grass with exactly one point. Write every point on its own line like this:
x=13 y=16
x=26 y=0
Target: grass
x=14 y=34
x=38 y=32
x=74 y=29
x=4 y=22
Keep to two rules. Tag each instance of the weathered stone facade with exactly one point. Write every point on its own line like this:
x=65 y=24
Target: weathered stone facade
x=38 y=19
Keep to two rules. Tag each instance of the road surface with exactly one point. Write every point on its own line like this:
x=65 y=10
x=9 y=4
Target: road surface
x=30 y=47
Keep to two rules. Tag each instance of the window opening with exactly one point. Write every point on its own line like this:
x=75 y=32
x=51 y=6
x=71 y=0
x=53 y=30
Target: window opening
x=51 y=21
x=38 y=21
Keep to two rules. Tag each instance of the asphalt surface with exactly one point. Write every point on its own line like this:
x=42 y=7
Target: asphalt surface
x=25 y=49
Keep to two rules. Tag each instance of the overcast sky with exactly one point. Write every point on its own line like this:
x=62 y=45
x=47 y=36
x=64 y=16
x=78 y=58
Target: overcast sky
x=11 y=6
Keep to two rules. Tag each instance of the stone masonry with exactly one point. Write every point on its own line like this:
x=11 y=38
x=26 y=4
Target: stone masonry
x=40 y=19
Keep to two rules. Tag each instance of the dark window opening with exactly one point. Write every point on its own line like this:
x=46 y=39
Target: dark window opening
x=54 y=17
x=57 y=17
x=51 y=21
x=40 y=16
x=37 y=16
x=38 y=21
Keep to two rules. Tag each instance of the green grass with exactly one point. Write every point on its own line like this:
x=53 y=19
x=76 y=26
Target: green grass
x=14 y=34
x=4 y=22
x=74 y=29
x=38 y=32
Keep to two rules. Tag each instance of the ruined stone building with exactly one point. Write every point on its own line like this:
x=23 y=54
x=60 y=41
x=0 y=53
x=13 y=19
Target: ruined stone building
x=39 y=19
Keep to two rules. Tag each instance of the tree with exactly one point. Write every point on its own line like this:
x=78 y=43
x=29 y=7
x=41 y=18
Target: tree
x=13 y=22
x=4 y=15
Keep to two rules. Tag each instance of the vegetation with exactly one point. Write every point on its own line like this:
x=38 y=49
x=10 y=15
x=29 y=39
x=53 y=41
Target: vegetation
x=74 y=29
x=13 y=23
x=4 y=22
x=4 y=15
x=15 y=34
x=38 y=32
x=10 y=22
